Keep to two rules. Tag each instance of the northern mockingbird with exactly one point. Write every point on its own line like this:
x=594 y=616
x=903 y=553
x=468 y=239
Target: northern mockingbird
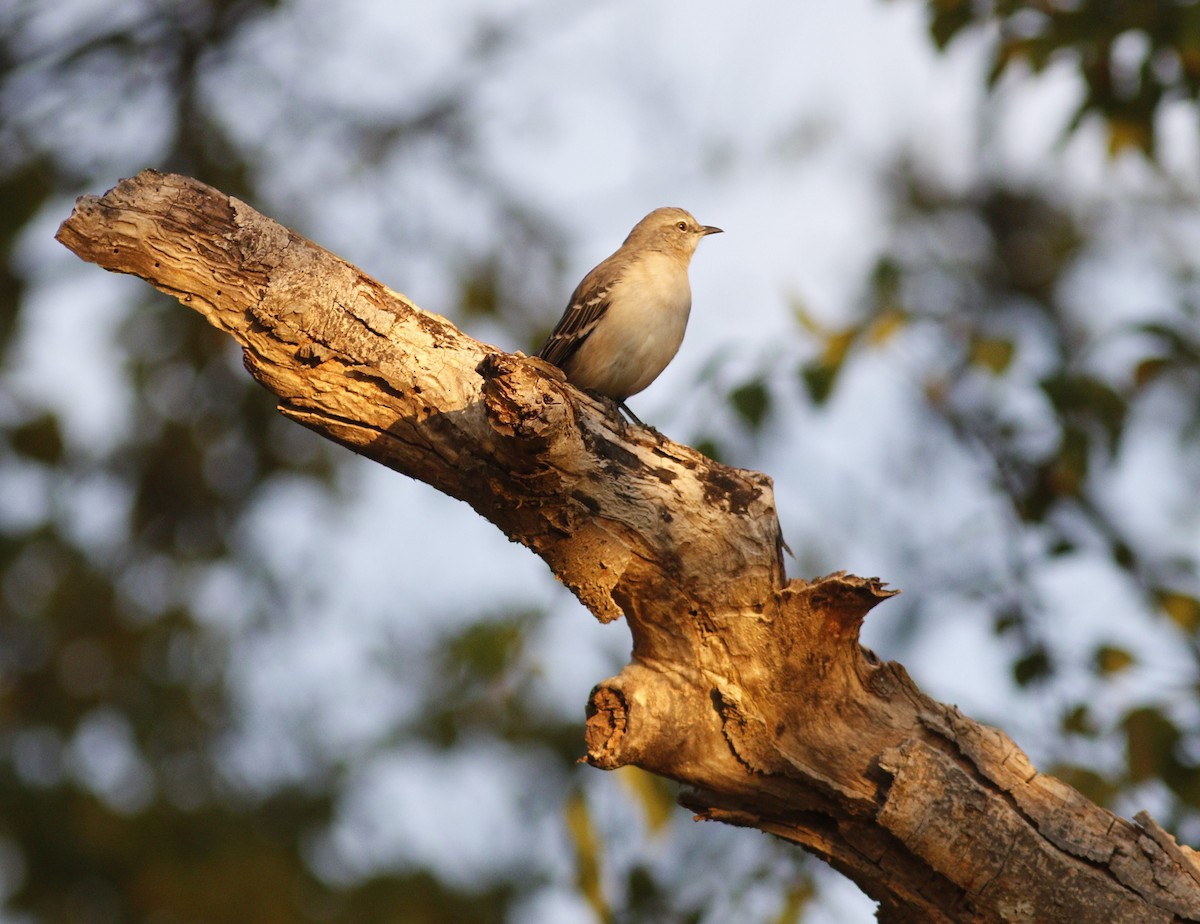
x=626 y=319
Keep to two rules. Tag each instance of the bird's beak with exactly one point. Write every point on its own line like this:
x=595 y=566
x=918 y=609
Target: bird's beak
x=709 y=229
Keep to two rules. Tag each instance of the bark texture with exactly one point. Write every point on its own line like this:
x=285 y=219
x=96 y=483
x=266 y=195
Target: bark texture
x=749 y=688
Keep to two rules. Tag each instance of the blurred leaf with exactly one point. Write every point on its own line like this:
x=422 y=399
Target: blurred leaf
x=820 y=375
x=1126 y=133
x=949 y=18
x=1083 y=36
x=39 y=439
x=819 y=379
x=420 y=897
x=479 y=289
x=1008 y=619
x=1182 y=609
x=887 y=277
x=994 y=354
x=655 y=794
x=587 y=855
x=1109 y=659
x=1065 y=474
x=752 y=401
x=1035 y=240
x=1148 y=370
x=1093 y=785
x=1061 y=546
x=1035 y=666
x=804 y=316
x=486 y=649
x=837 y=345
x=23 y=190
x=885 y=326
x=1078 y=721
x=1153 y=751
x=1123 y=554
x=1150 y=742
x=1179 y=344
x=708 y=446
x=1036 y=52
x=480 y=683
x=650 y=900
x=795 y=901
x=1078 y=397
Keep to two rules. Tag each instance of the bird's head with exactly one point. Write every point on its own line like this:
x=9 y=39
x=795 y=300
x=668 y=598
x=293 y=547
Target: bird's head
x=671 y=230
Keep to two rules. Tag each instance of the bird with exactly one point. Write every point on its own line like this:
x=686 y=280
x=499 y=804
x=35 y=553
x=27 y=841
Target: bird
x=625 y=320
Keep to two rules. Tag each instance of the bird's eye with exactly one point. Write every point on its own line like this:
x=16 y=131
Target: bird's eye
x=682 y=226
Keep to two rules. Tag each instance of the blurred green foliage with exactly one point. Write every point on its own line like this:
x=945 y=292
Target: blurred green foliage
x=1002 y=333
x=119 y=800
x=101 y=643
x=1131 y=57
x=101 y=650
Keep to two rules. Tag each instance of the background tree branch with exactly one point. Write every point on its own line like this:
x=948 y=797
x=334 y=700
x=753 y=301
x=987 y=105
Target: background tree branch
x=749 y=688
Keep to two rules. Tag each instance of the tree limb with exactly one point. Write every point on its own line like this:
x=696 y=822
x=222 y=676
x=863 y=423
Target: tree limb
x=749 y=688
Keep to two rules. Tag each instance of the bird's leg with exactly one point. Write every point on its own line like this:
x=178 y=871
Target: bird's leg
x=659 y=438
x=618 y=411
x=632 y=416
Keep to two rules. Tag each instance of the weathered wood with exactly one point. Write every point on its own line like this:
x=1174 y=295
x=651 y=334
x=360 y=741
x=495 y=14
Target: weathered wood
x=749 y=688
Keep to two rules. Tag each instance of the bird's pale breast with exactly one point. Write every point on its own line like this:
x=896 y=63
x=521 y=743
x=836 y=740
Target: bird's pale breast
x=641 y=331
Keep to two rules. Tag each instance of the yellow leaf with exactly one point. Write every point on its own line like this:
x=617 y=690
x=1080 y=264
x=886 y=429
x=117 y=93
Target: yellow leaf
x=1127 y=133
x=655 y=795
x=993 y=353
x=1111 y=659
x=587 y=855
x=797 y=898
x=886 y=325
x=804 y=317
x=837 y=345
x=1183 y=610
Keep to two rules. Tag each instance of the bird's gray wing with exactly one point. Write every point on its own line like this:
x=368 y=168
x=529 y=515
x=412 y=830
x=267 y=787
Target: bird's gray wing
x=588 y=304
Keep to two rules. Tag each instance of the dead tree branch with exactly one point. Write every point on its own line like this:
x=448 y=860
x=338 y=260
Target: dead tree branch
x=749 y=688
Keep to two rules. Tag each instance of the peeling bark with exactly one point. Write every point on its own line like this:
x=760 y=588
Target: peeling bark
x=749 y=688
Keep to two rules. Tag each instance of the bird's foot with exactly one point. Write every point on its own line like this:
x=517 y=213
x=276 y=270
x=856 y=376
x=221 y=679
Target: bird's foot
x=612 y=410
x=621 y=416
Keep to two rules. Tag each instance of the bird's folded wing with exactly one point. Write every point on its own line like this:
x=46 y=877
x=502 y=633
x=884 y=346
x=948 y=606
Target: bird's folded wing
x=579 y=320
